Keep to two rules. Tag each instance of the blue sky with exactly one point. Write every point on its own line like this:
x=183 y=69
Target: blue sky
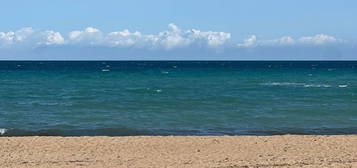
x=229 y=29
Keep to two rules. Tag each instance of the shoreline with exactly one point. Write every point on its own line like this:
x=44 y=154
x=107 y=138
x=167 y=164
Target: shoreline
x=180 y=151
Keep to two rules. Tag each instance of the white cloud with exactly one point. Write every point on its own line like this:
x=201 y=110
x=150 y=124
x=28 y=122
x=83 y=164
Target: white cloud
x=6 y=39
x=169 y=39
x=27 y=37
x=90 y=36
x=24 y=34
x=213 y=39
x=172 y=38
x=50 y=38
x=122 y=38
x=249 y=42
x=175 y=37
x=285 y=40
x=318 y=39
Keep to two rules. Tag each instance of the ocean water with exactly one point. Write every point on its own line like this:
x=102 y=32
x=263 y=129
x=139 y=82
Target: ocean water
x=119 y=98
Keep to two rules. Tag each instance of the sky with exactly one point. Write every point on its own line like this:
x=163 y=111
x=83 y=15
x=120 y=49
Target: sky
x=178 y=29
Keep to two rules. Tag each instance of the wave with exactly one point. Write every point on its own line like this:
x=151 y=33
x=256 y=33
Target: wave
x=178 y=132
x=317 y=85
x=2 y=131
x=306 y=85
x=283 y=84
x=121 y=131
x=342 y=86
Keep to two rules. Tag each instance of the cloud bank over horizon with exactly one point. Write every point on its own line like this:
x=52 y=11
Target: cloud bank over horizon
x=174 y=43
x=168 y=39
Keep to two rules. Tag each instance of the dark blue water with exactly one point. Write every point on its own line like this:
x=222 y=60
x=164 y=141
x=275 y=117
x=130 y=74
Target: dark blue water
x=117 y=98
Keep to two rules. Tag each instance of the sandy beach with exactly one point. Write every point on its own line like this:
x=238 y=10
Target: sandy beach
x=180 y=151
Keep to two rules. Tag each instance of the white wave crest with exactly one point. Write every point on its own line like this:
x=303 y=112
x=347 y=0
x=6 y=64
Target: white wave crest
x=3 y=131
x=317 y=85
x=283 y=84
x=306 y=85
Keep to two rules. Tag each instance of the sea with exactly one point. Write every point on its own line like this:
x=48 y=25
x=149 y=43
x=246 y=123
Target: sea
x=127 y=98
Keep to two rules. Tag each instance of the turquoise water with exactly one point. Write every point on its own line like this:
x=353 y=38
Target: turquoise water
x=177 y=98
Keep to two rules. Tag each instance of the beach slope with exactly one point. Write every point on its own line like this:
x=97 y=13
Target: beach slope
x=180 y=151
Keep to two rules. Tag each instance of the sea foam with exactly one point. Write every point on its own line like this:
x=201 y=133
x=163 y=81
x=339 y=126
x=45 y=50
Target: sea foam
x=342 y=86
x=3 y=131
x=317 y=85
x=283 y=84
x=306 y=85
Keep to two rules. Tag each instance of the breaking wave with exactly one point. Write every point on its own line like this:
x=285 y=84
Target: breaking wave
x=123 y=131
x=306 y=85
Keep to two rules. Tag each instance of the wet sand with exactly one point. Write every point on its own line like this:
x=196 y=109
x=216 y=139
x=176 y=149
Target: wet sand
x=180 y=151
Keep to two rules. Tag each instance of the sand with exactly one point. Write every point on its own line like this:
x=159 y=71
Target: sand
x=180 y=151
